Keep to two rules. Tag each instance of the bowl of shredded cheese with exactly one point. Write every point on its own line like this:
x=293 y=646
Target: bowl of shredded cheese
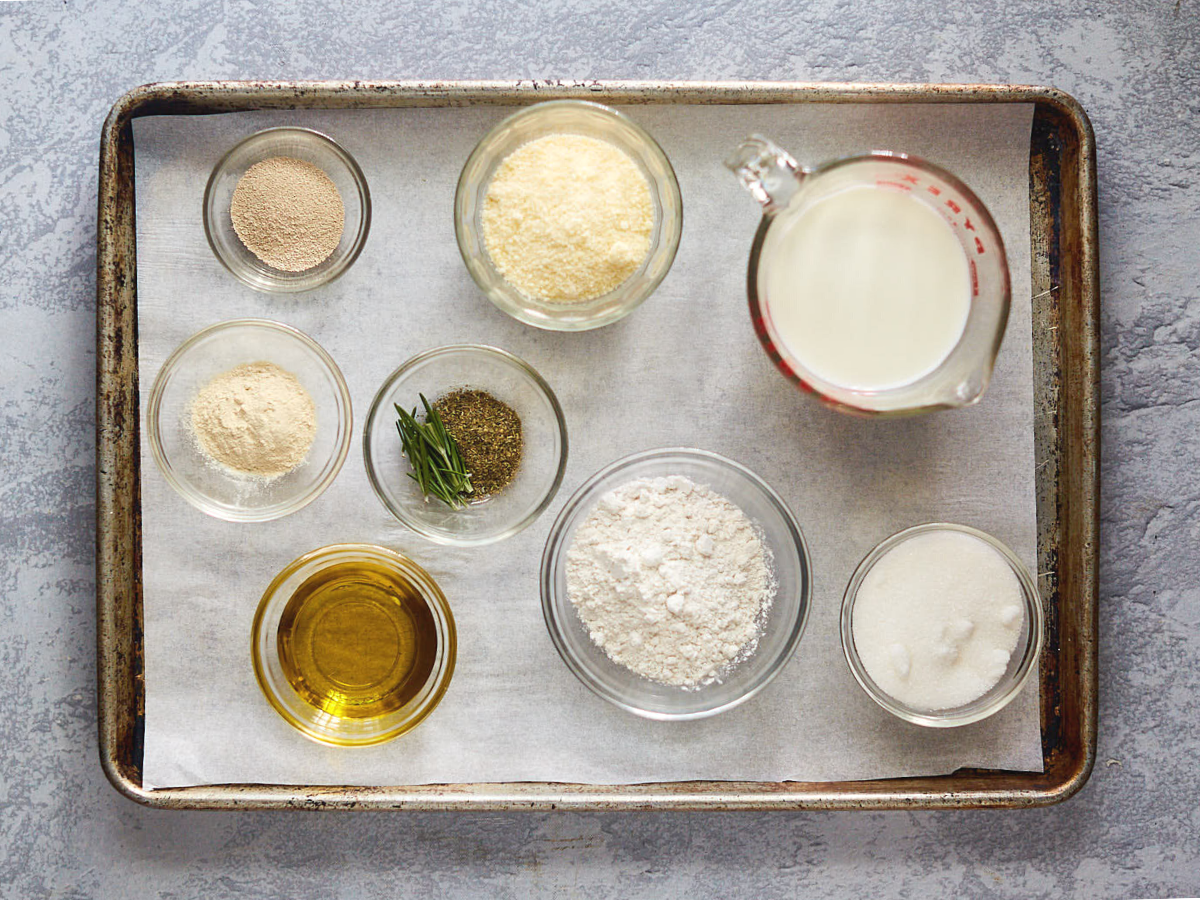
x=568 y=215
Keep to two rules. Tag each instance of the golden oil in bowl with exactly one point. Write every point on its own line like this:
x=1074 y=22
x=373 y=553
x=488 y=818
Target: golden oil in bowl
x=357 y=640
x=353 y=644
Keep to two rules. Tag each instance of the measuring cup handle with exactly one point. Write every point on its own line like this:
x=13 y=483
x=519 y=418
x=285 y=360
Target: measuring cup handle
x=767 y=171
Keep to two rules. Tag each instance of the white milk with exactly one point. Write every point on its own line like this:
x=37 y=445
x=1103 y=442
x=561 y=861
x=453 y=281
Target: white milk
x=937 y=618
x=868 y=289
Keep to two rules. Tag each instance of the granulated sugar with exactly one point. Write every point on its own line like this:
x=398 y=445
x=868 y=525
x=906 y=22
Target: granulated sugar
x=937 y=619
x=671 y=579
x=567 y=218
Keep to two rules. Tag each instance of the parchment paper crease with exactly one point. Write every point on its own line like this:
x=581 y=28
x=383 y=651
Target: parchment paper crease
x=684 y=369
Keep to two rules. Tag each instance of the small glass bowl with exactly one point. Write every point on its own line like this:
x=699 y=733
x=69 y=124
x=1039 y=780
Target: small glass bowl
x=509 y=379
x=1020 y=666
x=213 y=488
x=298 y=143
x=590 y=120
x=316 y=723
x=778 y=636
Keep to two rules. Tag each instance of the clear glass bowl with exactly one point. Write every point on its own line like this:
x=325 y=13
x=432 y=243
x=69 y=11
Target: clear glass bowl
x=209 y=486
x=780 y=632
x=510 y=380
x=591 y=120
x=298 y=143
x=316 y=723
x=1020 y=666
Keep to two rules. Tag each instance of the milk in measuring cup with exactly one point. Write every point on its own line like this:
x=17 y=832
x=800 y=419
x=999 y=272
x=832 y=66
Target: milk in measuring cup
x=867 y=288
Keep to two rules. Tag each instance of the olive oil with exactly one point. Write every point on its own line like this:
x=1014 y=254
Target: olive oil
x=356 y=640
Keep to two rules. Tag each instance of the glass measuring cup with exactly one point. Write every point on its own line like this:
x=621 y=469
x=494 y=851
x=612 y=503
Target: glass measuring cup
x=788 y=191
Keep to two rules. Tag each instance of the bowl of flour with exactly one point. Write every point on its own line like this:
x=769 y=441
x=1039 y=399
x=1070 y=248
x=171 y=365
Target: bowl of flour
x=675 y=584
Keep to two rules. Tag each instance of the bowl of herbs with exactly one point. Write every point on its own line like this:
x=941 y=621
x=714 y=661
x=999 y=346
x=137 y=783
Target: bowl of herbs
x=465 y=444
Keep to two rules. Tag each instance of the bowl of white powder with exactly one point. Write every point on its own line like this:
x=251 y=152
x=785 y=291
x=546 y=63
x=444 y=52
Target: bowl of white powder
x=249 y=420
x=568 y=215
x=942 y=625
x=675 y=584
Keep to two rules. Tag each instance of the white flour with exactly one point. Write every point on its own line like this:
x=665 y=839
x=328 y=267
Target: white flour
x=671 y=579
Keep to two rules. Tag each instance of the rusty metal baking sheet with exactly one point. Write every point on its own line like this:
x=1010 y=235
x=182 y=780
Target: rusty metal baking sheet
x=1064 y=267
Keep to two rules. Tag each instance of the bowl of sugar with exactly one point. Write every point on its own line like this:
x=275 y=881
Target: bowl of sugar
x=942 y=625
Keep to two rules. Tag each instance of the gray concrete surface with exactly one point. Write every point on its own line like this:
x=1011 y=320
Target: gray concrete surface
x=1134 y=831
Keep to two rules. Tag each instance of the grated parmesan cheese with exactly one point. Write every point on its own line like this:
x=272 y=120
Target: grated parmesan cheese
x=567 y=218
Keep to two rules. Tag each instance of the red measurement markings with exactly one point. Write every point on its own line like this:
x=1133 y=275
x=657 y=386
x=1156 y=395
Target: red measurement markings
x=974 y=279
x=763 y=329
x=954 y=206
x=979 y=246
x=936 y=191
x=785 y=367
x=894 y=184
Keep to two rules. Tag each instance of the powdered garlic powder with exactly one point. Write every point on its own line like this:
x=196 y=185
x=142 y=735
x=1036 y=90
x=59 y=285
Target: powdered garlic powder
x=256 y=419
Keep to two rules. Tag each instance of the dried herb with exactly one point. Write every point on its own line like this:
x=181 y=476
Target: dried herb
x=488 y=434
x=437 y=465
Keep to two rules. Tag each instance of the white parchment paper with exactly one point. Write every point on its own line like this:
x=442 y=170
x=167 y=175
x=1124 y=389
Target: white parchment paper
x=684 y=369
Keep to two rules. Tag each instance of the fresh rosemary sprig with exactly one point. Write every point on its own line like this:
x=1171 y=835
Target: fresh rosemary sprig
x=437 y=466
